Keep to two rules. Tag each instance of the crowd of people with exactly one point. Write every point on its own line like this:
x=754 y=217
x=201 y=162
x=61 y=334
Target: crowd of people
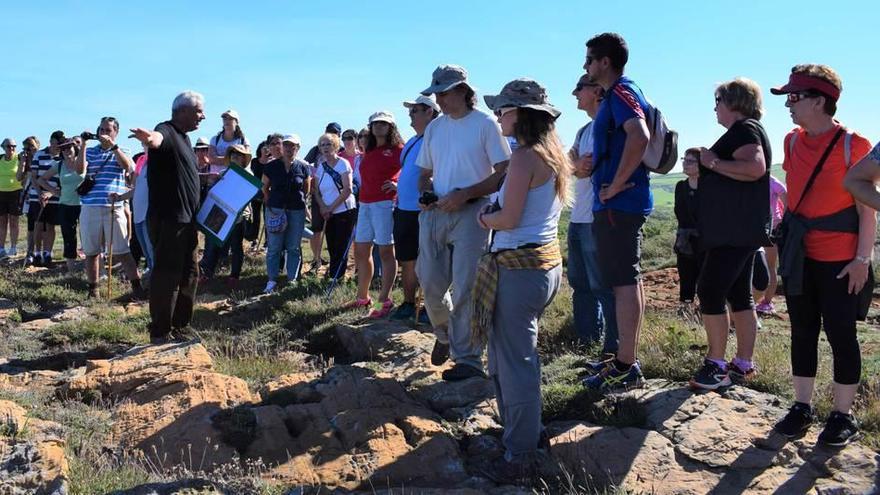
x=467 y=211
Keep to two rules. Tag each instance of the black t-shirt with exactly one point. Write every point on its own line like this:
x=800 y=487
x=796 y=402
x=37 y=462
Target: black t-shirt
x=173 y=177
x=733 y=212
x=286 y=187
x=685 y=205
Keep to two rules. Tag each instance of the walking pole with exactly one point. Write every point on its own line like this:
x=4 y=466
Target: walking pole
x=418 y=304
x=110 y=251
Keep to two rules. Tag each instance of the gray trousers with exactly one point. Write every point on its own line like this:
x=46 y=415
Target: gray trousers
x=513 y=354
x=450 y=246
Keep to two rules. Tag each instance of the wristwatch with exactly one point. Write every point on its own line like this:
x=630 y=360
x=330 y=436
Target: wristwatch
x=114 y=147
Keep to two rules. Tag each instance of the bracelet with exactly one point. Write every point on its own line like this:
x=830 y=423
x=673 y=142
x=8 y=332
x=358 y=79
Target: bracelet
x=865 y=260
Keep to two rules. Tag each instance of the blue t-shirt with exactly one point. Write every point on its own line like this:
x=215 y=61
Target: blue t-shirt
x=408 y=181
x=286 y=187
x=623 y=101
x=109 y=177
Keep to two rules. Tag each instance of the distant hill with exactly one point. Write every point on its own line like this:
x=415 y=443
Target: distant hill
x=663 y=186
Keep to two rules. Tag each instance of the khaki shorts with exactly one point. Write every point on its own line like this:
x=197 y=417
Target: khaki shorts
x=95 y=223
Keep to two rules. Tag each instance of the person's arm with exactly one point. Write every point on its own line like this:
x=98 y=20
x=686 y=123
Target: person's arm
x=679 y=206
x=748 y=163
x=265 y=189
x=637 y=137
x=151 y=139
x=43 y=182
x=519 y=176
x=455 y=199
x=344 y=194
x=861 y=179
x=22 y=169
x=857 y=269
x=307 y=182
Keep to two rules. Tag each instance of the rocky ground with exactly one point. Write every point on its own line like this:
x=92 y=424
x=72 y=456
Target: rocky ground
x=365 y=411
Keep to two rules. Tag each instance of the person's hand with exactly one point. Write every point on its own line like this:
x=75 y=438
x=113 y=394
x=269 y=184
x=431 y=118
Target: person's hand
x=325 y=212
x=484 y=211
x=707 y=157
x=608 y=191
x=106 y=141
x=452 y=201
x=44 y=198
x=858 y=275
x=389 y=186
x=113 y=197
x=583 y=166
x=141 y=135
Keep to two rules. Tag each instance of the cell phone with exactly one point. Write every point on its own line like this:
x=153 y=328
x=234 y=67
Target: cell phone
x=428 y=198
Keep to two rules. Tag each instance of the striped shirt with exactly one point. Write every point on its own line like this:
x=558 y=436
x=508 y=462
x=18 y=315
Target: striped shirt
x=41 y=163
x=110 y=178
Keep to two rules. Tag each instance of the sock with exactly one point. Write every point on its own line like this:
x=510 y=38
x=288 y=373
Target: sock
x=720 y=362
x=621 y=366
x=743 y=364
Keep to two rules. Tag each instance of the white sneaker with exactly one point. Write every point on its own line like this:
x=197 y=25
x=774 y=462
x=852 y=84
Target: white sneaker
x=270 y=287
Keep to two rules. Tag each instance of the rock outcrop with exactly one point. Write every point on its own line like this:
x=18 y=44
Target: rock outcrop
x=32 y=457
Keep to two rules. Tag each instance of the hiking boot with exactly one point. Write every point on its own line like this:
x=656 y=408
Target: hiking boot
x=738 y=375
x=405 y=311
x=440 y=353
x=710 y=377
x=506 y=472
x=796 y=422
x=610 y=378
x=462 y=372
x=381 y=310
x=840 y=429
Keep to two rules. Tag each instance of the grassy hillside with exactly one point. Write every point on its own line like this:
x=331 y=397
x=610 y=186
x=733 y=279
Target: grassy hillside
x=663 y=186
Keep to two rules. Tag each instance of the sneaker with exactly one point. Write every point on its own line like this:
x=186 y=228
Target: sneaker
x=840 y=429
x=440 y=353
x=765 y=308
x=270 y=287
x=610 y=378
x=601 y=362
x=165 y=339
x=462 y=372
x=381 y=310
x=13 y=251
x=3 y=254
x=29 y=260
x=710 y=377
x=37 y=259
x=47 y=261
x=738 y=375
x=405 y=311
x=796 y=422
x=359 y=303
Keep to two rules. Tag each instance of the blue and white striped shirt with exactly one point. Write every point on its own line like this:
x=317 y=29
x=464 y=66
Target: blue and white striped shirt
x=110 y=179
x=42 y=162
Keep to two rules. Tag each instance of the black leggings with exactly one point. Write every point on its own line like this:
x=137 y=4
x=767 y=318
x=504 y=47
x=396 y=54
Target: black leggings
x=726 y=276
x=338 y=230
x=688 y=273
x=825 y=301
x=760 y=272
x=68 y=217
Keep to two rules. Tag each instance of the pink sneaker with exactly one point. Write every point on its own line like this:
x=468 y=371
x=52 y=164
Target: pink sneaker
x=382 y=310
x=765 y=308
x=359 y=303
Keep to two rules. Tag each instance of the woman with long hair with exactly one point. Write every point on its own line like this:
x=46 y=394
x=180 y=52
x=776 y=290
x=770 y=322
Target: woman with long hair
x=379 y=170
x=230 y=134
x=70 y=175
x=734 y=171
x=522 y=272
x=335 y=202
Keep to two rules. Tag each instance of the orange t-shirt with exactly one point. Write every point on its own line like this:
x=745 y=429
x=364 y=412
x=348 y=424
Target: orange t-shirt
x=827 y=194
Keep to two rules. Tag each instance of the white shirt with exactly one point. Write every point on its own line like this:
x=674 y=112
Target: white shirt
x=329 y=191
x=582 y=211
x=462 y=152
x=141 y=197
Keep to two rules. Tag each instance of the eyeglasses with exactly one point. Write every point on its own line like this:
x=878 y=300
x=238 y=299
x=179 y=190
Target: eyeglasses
x=580 y=86
x=717 y=100
x=689 y=159
x=796 y=97
x=501 y=112
x=591 y=59
x=10 y=146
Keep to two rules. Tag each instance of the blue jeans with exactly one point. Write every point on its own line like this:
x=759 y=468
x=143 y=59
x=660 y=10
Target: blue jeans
x=143 y=237
x=290 y=240
x=592 y=301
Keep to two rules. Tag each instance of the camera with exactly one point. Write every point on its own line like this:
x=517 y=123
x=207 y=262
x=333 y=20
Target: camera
x=86 y=136
x=428 y=198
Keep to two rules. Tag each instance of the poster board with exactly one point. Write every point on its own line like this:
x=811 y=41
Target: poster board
x=224 y=203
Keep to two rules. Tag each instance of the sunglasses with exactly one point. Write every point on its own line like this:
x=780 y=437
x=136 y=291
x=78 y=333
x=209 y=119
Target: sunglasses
x=10 y=146
x=796 y=97
x=501 y=112
x=591 y=59
x=580 y=86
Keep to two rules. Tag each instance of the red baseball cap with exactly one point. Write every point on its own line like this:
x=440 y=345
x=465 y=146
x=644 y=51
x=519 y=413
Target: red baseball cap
x=804 y=82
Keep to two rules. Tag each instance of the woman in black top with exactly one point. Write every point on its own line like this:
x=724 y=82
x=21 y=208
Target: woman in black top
x=688 y=255
x=252 y=229
x=734 y=221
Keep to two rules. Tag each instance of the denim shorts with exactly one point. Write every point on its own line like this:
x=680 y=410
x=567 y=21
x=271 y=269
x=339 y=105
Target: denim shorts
x=375 y=223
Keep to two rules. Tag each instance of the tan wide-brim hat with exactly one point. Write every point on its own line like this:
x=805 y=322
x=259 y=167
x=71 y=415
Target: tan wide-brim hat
x=239 y=148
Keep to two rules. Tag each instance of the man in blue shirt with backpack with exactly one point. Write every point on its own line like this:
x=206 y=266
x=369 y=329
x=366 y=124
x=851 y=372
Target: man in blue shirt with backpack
x=622 y=201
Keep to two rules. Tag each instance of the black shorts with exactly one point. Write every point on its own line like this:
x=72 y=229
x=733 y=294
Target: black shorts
x=406 y=235
x=10 y=203
x=317 y=218
x=49 y=216
x=619 y=246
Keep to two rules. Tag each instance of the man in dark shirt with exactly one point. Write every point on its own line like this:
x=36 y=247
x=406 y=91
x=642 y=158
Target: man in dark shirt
x=171 y=215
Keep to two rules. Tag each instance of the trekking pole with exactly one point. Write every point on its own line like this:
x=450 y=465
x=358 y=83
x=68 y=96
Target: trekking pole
x=341 y=265
x=418 y=304
x=110 y=251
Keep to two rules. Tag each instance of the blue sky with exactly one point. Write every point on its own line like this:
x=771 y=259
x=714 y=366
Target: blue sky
x=293 y=66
